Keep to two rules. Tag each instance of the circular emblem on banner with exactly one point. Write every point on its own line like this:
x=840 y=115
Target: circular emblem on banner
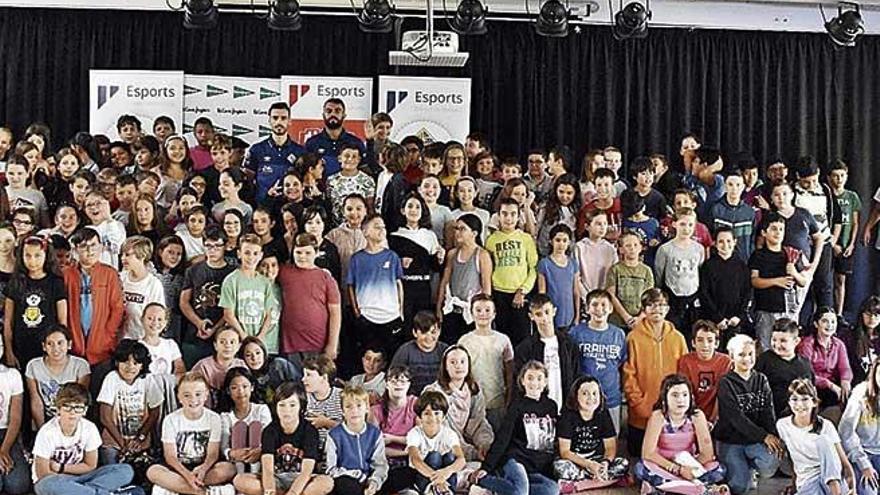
x=428 y=131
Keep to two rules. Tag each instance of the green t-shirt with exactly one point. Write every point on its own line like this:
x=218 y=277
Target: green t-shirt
x=251 y=298
x=629 y=283
x=849 y=203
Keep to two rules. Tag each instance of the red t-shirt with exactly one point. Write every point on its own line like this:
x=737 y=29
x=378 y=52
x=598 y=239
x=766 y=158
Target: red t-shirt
x=306 y=295
x=704 y=377
x=615 y=218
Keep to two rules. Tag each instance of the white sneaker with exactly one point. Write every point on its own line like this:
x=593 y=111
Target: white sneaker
x=221 y=490
x=158 y=490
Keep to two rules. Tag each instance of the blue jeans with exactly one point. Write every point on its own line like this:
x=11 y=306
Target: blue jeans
x=515 y=480
x=17 y=481
x=861 y=487
x=740 y=460
x=101 y=481
x=436 y=461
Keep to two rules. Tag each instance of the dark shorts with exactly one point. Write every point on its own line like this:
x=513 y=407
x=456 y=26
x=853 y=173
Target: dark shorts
x=843 y=265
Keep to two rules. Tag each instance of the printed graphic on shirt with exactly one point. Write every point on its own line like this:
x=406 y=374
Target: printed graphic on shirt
x=705 y=379
x=250 y=307
x=192 y=446
x=288 y=459
x=600 y=353
x=71 y=454
x=586 y=440
x=32 y=315
x=540 y=432
x=207 y=296
x=49 y=389
x=509 y=253
x=130 y=409
x=750 y=402
x=4 y=406
x=134 y=297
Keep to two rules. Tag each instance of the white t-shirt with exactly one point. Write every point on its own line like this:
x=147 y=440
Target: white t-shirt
x=53 y=445
x=10 y=385
x=131 y=403
x=554 y=373
x=194 y=247
x=137 y=295
x=801 y=446
x=442 y=442
x=191 y=437
x=488 y=355
x=112 y=234
x=162 y=356
x=381 y=183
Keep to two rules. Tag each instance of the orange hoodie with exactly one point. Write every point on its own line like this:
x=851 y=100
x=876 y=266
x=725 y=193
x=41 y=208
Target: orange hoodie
x=650 y=361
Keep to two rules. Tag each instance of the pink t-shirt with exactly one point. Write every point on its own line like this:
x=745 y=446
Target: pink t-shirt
x=201 y=157
x=398 y=421
x=306 y=295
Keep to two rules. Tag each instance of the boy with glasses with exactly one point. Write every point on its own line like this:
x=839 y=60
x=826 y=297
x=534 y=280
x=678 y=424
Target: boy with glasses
x=94 y=299
x=653 y=348
x=66 y=452
x=200 y=297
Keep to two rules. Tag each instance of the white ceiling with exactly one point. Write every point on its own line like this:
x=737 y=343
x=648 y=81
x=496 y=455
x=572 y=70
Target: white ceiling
x=776 y=15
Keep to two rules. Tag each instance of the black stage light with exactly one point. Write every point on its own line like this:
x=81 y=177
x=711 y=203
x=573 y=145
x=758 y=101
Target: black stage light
x=200 y=14
x=552 y=20
x=284 y=15
x=631 y=22
x=376 y=17
x=848 y=26
x=470 y=18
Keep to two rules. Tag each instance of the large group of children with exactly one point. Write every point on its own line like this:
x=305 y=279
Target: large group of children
x=193 y=315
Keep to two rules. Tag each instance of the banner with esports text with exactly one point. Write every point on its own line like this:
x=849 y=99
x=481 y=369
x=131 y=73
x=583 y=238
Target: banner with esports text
x=307 y=94
x=433 y=108
x=237 y=106
x=145 y=94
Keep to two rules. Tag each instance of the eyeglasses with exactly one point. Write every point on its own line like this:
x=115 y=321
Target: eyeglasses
x=658 y=306
x=399 y=379
x=22 y=222
x=89 y=247
x=74 y=408
x=213 y=245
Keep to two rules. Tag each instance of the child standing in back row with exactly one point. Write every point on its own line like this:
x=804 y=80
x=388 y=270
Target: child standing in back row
x=678 y=269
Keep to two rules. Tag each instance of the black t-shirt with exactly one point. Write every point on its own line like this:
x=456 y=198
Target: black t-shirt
x=290 y=449
x=205 y=283
x=769 y=264
x=35 y=311
x=587 y=437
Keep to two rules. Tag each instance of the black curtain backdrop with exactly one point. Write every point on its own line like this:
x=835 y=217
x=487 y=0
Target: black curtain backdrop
x=773 y=94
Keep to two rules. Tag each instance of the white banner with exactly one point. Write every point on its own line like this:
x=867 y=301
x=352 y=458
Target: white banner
x=144 y=94
x=237 y=106
x=307 y=94
x=432 y=108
